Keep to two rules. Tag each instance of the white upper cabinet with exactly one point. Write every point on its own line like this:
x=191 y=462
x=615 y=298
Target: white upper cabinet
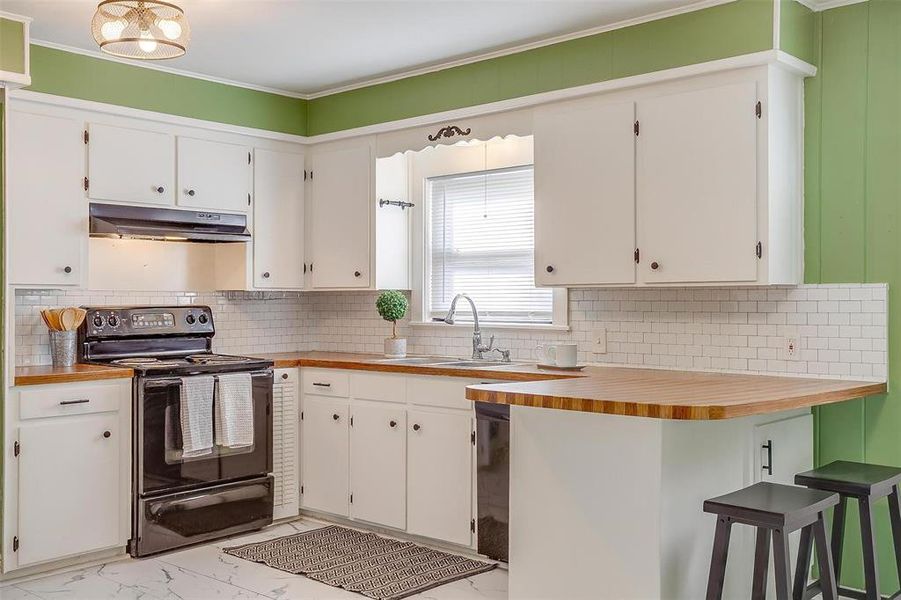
x=213 y=175
x=697 y=186
x=47 y=211
x=584 y=193
x=131 y=165
x=340 y=228
x=278 y=216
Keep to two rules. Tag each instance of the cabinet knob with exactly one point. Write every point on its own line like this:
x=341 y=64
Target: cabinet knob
x=357 y=273
x=549 y=268
x=392 y=423
x=335 y=416
x=191 y=192
x=416 y=427
x=266 y=275
x=655 y=266
x=67 y=269
x=284 y=375
x=160 y=190
x=106 y=434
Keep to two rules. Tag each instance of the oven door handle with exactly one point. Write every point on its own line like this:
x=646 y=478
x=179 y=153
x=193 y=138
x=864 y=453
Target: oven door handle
x=158 y=383
x=208 y=499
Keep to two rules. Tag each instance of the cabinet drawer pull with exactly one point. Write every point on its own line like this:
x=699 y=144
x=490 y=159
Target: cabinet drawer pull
x=317 y=384
x=392 y=423
x=191 y=192
x=655 y=266
x=416 y=427
x=106 y=434
x=67 y=269
x=357 y=273
x=68 y=402
x=336 y=416
x=266 y=275
x=160 y=190
x=550 y=268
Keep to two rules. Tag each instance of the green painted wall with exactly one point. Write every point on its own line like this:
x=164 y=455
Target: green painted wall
x=722 y=31
x=12 y=46
x=797 y=30
x=78 y=76
x=853 y=220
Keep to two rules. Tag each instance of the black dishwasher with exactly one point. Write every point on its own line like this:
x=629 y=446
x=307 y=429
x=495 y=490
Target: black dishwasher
x=493 y=468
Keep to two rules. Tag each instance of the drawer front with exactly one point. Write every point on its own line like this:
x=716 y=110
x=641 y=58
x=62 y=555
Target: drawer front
x=71 y=399
x=444 y=392
x=378 y=386
x=325 y=382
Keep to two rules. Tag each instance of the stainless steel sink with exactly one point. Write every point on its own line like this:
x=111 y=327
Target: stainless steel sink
x=415 y=360
x=474 y=364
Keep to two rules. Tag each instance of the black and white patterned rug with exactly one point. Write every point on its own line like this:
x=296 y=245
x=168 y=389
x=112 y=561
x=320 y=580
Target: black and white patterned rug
x=361 y=562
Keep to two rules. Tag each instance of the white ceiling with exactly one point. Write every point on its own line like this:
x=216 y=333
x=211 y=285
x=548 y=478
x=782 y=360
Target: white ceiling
x=308 y=46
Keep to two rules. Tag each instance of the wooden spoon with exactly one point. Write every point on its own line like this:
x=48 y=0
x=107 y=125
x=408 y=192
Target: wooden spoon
x=68 y=318
x=46 y=319
x=53 y=319
x=80 y=314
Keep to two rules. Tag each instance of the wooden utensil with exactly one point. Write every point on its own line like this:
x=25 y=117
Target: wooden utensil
x=52 y=319
x=68 y=319
x=80 y=314
x=46 y=319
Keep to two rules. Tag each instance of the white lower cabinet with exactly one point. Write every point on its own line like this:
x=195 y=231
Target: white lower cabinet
x=378 y=447
x=439 y=474
x=403 y=459
x=67 y=487
x=325 y=451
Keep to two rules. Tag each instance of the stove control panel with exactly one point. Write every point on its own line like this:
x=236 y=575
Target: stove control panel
x=111 y=322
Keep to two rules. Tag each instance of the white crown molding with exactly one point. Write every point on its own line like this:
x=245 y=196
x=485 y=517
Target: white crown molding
x=700 y=5
x=14 y=17
x=165 y=69
x=755 y=59
x=149 y=115
x=821 y=5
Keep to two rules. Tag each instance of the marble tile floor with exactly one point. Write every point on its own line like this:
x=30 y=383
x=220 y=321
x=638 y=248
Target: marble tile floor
x=204 y=572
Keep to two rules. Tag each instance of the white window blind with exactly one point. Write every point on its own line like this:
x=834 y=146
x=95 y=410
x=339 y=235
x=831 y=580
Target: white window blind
x=482 y=243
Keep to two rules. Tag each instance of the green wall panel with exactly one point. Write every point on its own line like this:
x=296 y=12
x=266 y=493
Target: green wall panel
x=853 y=220
x=798 y=30
x=78 y=76
x=12 y=46
x=731 y=29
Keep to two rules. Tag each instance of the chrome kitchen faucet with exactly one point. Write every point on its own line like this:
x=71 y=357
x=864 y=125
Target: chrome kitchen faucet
x=478 y=348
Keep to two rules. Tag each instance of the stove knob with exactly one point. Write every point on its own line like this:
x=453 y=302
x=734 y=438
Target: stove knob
x=203 y=319
x=190 y=319
x=113 y=321
x=98 y=321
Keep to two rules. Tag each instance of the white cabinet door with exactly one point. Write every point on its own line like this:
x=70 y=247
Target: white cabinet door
x=213 y=175
x=697 y=186
x=324 y=455
x=131 y=165
x=783 y=448
x=439 y=475
x=585 y=194
x=340 y=228
x=378 y=469
x=285 y=425
x=69 y=487
x=47 y=210
x=278 y=219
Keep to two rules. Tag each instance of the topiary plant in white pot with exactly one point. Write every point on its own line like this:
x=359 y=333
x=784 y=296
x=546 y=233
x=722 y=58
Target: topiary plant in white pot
x=392 y=306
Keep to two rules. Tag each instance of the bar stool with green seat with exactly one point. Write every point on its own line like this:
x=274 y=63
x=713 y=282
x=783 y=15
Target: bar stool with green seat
x=776 y=511
x=865 y=483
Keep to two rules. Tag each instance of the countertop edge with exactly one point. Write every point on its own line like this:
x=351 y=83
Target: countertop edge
x=46 y=374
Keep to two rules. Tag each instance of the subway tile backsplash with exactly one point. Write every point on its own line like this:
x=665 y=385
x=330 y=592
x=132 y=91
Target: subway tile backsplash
x=839 y=330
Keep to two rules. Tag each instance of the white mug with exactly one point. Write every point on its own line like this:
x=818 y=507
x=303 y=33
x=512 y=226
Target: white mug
x=560 y=355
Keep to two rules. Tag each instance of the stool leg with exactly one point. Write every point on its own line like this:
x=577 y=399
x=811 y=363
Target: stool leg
x=838 y=536
x=802 y=569
x=782 y=564
x=894 y=510
x=761 y=563
x=717 y=577
x=868 y=541
x=824 y=558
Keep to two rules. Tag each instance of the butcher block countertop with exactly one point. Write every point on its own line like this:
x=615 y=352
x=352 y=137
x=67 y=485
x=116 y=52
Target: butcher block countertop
x=667 y=394
x=656 y=393
x=43 y=374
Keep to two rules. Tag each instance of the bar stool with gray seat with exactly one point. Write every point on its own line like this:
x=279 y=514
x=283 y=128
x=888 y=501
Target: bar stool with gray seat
x=865 y=483
x=775 y=510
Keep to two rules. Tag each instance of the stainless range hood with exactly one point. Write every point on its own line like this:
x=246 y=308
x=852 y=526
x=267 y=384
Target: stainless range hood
x=110 y=220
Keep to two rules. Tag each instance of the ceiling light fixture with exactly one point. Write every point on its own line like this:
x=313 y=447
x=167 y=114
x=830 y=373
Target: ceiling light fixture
x=142 y=29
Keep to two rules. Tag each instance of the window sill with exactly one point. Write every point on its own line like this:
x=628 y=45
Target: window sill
x=493 y=326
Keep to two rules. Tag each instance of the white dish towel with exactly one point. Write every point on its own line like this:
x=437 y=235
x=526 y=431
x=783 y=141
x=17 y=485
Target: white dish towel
x=197 y=415
x=234 y=410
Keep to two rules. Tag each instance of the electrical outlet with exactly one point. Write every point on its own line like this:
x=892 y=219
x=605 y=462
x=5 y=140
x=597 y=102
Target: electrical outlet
x=599 y=341
x=791 y=348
